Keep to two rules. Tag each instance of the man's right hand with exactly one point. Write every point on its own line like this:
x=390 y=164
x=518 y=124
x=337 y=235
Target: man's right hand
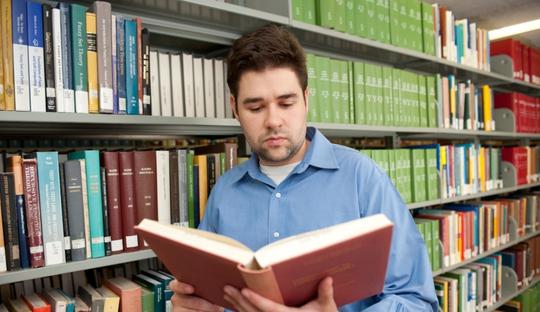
x=184 y=300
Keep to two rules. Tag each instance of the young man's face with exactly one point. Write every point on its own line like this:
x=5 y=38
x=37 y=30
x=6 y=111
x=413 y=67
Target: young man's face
x=272 y=112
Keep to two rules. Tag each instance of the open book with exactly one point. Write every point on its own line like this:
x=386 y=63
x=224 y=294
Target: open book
x=354 y=254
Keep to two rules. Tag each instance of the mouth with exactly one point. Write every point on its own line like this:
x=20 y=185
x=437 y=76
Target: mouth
x=275 y=140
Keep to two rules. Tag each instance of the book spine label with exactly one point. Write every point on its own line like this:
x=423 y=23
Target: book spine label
x=51 y=210
x=145 y=47
x=33 y=216
x=102 y=10
x=74 y=200
x=79 y=57
x=92 y=63
x=67 y=74
x=58 y=70
x=121 y=64
x=7 y=54
x=20 y=56
x=36 y=61
x=48 y=49
x=132 y=95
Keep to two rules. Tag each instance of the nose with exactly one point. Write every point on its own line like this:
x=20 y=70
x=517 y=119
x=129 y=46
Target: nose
x=273 y=118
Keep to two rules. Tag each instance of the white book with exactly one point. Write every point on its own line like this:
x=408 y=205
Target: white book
x=176 y=81
x=228 y=110
x=198 y=82
x=20 y=68
x=163 y=187
x=209 y=92
x=182 y=187
x=165 y=84
x=114 y=62
x=154 y=84
x=220 y=89
x=57 y=52
x=3 y=264
x=189 y=91
x=36 y=63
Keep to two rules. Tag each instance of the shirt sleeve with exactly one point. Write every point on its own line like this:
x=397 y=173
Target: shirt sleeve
x=409 y=282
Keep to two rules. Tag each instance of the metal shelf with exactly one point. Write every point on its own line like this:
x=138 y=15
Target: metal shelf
x=504 y=300
x=443 y=201
x=485 y=254
x=28 y=274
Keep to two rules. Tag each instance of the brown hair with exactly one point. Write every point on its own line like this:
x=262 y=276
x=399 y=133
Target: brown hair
x=267 y=47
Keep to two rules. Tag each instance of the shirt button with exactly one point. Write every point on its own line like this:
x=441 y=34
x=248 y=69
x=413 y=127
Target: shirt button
x=276 y=234
x=278 y=195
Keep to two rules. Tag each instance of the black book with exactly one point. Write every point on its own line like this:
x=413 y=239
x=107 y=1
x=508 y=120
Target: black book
x=145 y=48
x=74 y=199
x=9 y=220
x=48 y=49
x=65 y=213
x=105 y=206
x=174 y=189
x=67 y=67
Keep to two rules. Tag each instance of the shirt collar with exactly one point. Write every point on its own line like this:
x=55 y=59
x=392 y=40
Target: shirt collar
x=320 y=154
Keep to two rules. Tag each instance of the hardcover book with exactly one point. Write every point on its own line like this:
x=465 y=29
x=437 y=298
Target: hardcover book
x=354 y=254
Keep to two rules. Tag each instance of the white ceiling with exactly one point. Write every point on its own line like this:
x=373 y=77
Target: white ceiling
x=491 y=14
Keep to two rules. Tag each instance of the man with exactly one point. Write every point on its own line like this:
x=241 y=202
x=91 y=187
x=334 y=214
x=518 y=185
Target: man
x=297 y=181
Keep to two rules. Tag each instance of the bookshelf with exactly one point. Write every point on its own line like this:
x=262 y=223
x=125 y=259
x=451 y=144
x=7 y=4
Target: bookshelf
x=505 y=299
x=219 y=23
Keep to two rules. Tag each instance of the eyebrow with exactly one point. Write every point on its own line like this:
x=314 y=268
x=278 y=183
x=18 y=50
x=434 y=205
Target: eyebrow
x=285 y=96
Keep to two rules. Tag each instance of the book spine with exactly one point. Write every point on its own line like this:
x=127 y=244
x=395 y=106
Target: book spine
x=2 y=95
x=163 y=187
x=104 y=204
x=102 y=10
x=198 y=86
x=79 y=57
x=15 y=166
x=33 y=216
x=111 y=163
x=189 y=93
x=132 y=95
x=48 y=49
x=65 y=215
x=146 y=91
x=144 y=165
x=121 y=64
x=165 y=84
x=58 y=61
x=138 y=21
x=74 y=200
x=191 y=195
x=196 y=195
x=67 y=73
x=209 y=92
x=9 y=219
x=20 y=56
x=51 y=210
x=174 y=188
x=92 y=63
x=36 y=61
x=114 y=62
x=127 y=200
x=154 y=84
x=7 y=54
x=183 y=187
x=176 y=80
x=85 y=210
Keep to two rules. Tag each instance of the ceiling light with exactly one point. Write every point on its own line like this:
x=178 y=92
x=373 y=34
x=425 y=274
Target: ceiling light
x=514 y=29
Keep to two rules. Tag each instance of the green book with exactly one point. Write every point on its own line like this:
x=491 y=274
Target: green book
x=436 y=246
x=366 y=152
x=360 y=18
x=298 y=10
x=78 y=50
x=336 y=114
x=404 y=22
x=418 y=168
x=422 y=101
x=396 y=97
x=428 y=30
x=417 y=22
x=428 y=237
x=392 y=166
x=432 y=107
x=405 y=99
x=370 y=96
x=359 y=94
x=371 y=19
x=147 y=300
x=309 y=12
x=415 y=94
x=340 y=14
x=383 y=20
x=395 y=23
x=432 y=175
x=350 y=19
x=325 y=13
x=350 y=84
x=313 y=112
x=408 y=175
x=325 y=99
x=379 y=108
x=155 y=286
x=344 y=92
x=388 y=108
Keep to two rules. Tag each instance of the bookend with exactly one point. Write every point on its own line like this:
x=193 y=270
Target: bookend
x=512 y=228
x=505 y=119
x=509 y=174
x=509 y=281
x=502 y=64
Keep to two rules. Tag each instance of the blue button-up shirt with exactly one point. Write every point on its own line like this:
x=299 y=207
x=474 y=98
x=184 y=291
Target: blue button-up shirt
x=331 y=185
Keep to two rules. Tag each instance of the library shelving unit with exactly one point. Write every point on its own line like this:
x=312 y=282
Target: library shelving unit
x=218 y=23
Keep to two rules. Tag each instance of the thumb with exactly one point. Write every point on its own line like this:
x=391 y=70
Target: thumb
x=326 y=292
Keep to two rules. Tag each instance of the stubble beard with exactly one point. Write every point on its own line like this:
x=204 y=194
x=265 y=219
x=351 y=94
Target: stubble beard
x=291 y=149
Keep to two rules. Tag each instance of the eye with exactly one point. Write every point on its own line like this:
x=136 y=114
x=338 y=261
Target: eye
x=255 y=109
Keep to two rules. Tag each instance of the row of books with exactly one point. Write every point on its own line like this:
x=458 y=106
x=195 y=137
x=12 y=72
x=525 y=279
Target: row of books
x=525 y=111
x=84 y=204
x=525 y=162
x=478 y=285
x=71 y=58
x=528 y=301
x=146 y=291
x=525 y=59
x=369 y=94
x=470 y=229
x=466 y=105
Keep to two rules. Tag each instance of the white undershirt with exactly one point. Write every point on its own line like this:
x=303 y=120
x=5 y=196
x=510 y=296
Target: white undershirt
x=278 y=173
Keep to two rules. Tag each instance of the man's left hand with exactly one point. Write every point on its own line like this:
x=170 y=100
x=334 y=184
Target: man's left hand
x=249 y=301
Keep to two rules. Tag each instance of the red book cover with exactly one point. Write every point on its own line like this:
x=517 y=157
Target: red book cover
x=510 y=101
x=517 y=156
x=144 y=178
x=354 y=254
x=512 y=48
x=112 y=174
x=128 y=291
x=127 y=201
x=32 y=212
x=526 y=65
x=534 y=64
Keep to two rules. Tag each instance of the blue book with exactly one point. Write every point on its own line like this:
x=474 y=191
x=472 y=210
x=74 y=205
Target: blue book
x=95 y=208
x=23 y=244
x=51 y=207
x=67 y=73
x=121 y=64
x=20 y=55
x=509 y=259
x=132 y=95
x=36 y=58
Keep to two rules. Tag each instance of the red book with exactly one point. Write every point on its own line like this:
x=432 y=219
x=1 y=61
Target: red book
x=526 y=65
x=127 y=201
x=112 y=174
x=517 y=156
x=36 y=303
x=512 y=48
x=511 y=101
x=534 y=65
x=129 y=293
x=354 y=254
x=32 y=212
x=144 y=178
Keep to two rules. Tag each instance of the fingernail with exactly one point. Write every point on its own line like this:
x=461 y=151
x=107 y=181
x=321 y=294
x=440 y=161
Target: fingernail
x=228 y=290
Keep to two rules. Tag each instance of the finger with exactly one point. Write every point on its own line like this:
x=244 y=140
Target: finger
x=236 y=298
x=326 y=291
x=262 y=303
x=181 y=288
x=188 y=302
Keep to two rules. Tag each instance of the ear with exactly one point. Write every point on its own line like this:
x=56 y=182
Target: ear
x=306 y=97
x=232 y=105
